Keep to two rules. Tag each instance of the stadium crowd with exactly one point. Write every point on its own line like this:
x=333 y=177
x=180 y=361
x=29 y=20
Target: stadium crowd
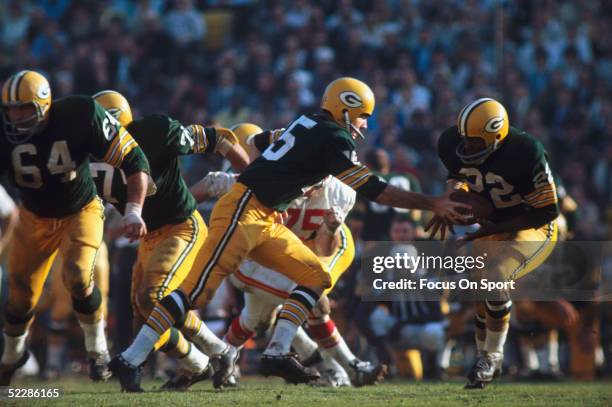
x=225 y=62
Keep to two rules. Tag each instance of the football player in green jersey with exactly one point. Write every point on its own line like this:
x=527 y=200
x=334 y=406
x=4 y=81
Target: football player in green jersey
x=45 y=149
x=176 y=229
x=510 y=168
x=243 y=224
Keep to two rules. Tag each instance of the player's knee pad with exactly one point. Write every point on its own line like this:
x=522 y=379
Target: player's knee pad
x=89 y=304
x=177 y=304
x=498 y=309
x=16 y=318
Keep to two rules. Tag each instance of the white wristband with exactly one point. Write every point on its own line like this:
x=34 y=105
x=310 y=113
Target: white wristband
x=133 y=208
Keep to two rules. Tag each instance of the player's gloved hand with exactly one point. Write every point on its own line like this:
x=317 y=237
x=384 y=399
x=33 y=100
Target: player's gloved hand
x=439 y=224
x=333 y=218
x=132 y=224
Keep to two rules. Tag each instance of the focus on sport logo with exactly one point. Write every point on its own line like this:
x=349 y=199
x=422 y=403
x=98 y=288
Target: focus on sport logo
x=351 y=99
x=494 y=124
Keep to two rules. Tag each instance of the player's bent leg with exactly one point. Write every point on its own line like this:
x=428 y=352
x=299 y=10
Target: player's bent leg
x=82 y=236
x=516 y=256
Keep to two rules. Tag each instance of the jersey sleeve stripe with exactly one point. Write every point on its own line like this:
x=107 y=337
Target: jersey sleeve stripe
x=201 y=140
x=537 y=191
x=360 y=181
x=125 y=150
x=352 y=173
x=123 y=144
x=543 y=203
x=348 y=171
x=539 y=201
x=112 y=149
x=355 y=178
x=540 y=194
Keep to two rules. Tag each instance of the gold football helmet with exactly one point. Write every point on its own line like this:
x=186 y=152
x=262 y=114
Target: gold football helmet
x=25 y=88
x=346 y=99
x=484 y=118
x=244 y=131
x=116 y=104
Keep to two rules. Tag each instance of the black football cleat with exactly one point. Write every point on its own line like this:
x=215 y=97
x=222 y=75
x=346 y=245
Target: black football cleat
x=183 y=381
x=128 y=375
x=224 y=365
x=366 y=373
x=7 y=372
x=487 y=367
x=288 y=367
x=98 y=367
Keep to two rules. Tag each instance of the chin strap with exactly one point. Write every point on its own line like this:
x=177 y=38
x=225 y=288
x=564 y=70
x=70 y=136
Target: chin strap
x=350 y=126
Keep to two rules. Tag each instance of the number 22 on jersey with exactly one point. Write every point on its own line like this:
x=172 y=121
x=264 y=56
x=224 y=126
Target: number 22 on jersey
x=60 y=162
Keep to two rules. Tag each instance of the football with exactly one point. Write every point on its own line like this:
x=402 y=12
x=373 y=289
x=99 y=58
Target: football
x=481 y=207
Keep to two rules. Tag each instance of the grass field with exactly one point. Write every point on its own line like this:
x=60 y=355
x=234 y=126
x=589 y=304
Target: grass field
x=274 y=392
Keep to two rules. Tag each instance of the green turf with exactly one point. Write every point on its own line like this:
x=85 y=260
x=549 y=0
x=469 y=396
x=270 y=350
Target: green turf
x=275 y=393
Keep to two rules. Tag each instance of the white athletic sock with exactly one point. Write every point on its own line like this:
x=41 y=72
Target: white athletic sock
x=14 y=348
x=495 y=341
x=283 y=335
x=303 y=345
x=195 y=361
x=95 y=337
x=342 y=353
x=208 y=341
x=143 y=344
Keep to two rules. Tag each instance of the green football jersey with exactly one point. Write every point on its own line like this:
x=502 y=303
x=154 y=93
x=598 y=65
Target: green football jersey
x=310 y=149
x=163 y=140
x=51 y=169
x=514 y=178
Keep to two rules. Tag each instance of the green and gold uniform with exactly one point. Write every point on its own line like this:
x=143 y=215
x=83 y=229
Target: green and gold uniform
x=176 y=231
x=243 y=221
x=517 y=180
x=60 y=211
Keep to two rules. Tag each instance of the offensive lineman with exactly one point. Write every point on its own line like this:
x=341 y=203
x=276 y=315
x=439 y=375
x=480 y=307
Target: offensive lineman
x=45 y=148
x=176 y=229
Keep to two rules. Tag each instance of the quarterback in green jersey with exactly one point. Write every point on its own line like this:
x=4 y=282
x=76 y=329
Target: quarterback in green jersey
x=176 y=229
x=243 y=224
x=45 y=149
x=508 y=167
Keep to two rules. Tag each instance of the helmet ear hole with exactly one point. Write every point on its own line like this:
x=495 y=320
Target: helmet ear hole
x=498 y=137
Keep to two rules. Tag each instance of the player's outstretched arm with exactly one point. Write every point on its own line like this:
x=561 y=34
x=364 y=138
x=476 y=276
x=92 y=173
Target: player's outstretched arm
x=441 y=206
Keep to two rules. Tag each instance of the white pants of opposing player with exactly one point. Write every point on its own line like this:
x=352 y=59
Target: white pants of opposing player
x=265 y=290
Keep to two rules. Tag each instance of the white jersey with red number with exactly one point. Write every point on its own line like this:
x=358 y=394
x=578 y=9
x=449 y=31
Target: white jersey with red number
x=305 y=217
x=306 y=213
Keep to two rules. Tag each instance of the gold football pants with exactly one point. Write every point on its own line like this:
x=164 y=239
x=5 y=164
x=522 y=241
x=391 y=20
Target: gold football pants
x=165 y=257
x=61 y=303
x=241 y=226
x=36 y=243
x=511 y=256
